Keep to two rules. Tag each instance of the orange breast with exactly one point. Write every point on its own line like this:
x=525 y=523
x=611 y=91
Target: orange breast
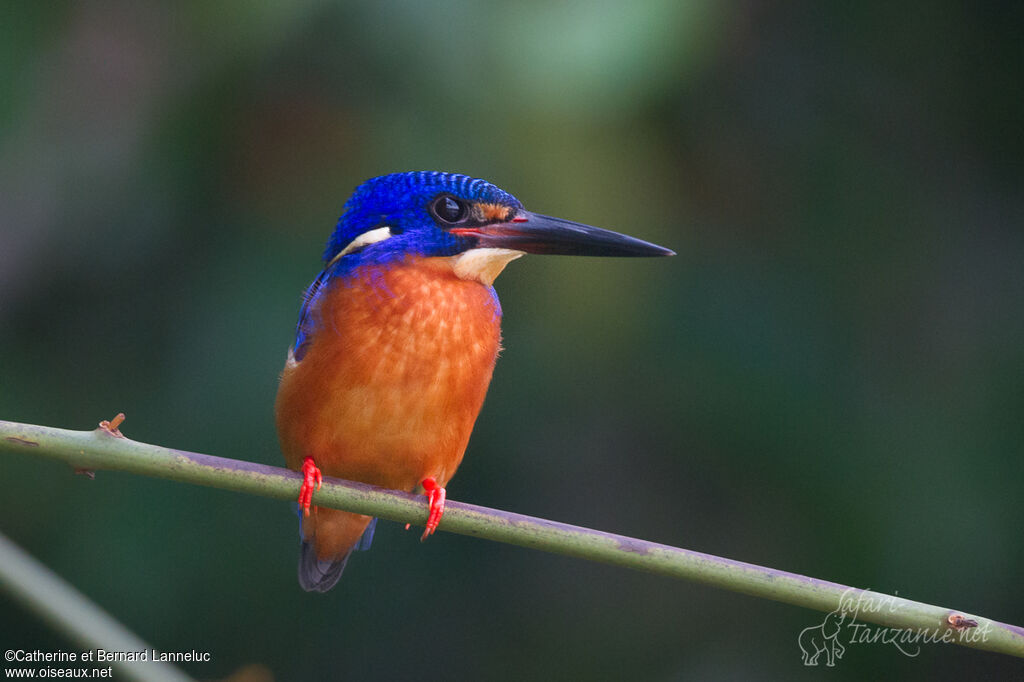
x=394 y=376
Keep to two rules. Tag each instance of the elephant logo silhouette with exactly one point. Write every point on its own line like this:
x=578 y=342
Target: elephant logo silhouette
x=823 y=638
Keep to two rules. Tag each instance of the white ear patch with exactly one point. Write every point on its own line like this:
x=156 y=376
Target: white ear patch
x=483 y=265
x=365 y=239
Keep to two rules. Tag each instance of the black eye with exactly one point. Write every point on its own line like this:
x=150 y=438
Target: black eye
x=449 y=209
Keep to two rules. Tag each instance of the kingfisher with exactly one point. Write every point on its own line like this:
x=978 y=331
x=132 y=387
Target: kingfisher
x=396 y=342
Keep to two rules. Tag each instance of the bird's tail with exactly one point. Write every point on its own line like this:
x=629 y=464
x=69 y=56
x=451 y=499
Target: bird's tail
x=319 y=575
x=328 y=539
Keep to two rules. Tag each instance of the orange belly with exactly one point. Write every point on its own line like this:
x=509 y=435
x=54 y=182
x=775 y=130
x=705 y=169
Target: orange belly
x=390 y=384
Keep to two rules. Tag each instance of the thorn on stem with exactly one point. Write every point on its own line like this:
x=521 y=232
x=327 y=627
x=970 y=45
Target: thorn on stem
x=958 y=622
x=88 y=473
x=111 y=426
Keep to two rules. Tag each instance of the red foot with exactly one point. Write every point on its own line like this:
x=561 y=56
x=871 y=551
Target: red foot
x=312 y=480
x=435 y=502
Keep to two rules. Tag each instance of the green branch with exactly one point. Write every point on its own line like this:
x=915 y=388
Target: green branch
x=100 y=449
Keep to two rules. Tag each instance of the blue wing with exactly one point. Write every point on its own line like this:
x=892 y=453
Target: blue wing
x=307 y=322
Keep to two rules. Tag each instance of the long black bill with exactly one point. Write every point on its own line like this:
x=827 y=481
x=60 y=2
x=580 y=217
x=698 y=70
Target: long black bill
x=535 y=233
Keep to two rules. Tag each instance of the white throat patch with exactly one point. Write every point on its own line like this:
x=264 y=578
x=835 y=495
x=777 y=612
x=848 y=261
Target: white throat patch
x=483 y=265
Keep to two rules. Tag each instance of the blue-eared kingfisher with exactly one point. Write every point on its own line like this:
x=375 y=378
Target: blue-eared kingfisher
x=397 y=339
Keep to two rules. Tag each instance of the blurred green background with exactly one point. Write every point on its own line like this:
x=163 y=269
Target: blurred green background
x=828 y=379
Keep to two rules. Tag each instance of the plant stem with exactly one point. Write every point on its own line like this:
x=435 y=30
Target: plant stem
x=100 y=449
x=41 y=590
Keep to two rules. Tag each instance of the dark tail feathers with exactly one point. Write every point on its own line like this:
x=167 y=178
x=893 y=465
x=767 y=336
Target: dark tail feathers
x=319 y=575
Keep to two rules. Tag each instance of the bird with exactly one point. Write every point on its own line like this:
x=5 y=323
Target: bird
x=397 y=340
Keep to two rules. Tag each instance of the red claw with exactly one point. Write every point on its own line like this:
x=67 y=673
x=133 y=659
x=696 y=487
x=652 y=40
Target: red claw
x=312 y=479
x=435 y=503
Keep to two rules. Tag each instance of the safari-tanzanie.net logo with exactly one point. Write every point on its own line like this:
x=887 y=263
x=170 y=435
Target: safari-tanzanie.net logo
x=828 y=641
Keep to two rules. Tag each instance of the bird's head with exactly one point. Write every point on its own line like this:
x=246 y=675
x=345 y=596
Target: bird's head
x=480 y=226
